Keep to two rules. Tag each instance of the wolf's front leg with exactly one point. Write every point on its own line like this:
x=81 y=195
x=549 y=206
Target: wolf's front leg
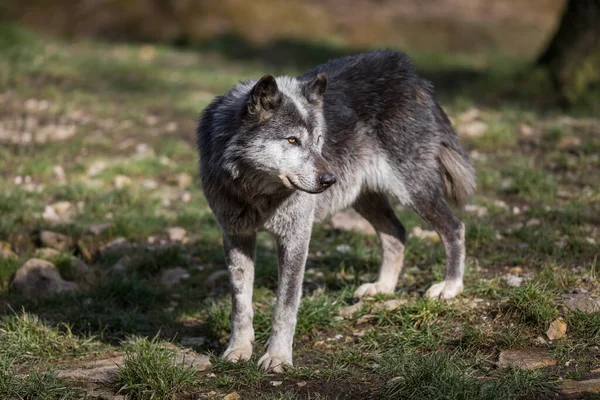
x=239 y=251
x=292 y=250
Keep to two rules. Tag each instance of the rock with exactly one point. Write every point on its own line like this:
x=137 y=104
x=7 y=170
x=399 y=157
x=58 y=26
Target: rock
x=121 y=265
x=513 y=280
x=58 y=172
x=193 y=341
x=350 y=310
x=55 y=240
x=117 y=243
x=96 y=168
x=365 y=319
x=528 y=359
x=391 y=305
x=103 y=394
x=98 y=229
x=557 y=329
x=82 y=272
x=569 y=143
x=39 y=278
x=473 y=129
x=232 y=396
x=216 y=279
x=301 y=384
x=61 y=212
x=582 y=302
x=46 y=253
x=425 y=235
x=172 y=276
x=350 y=220
x=470 y=115
x=122 y=181
x=276 y=383
x=184 y=180
x=569 y=387
x=343 y=248
x=479 y=211
x=176 y=234
x=198 y=361
x=102 y=372
x=6 y=250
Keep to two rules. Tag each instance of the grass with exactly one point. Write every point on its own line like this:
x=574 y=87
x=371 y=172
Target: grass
x=136 y=117
x=151 y=371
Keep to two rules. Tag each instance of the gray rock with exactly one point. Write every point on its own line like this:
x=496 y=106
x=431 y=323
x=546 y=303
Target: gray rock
x=582 y=302
x=39 y=278
x=528 y=359
x=101 y=372
x=350 y=220
x=55 y=240
x=193 y=341
x=513 y=280
x=172 y=276
x=569 y=387
x=46 y=253
x=121 y=265
x=350 y=310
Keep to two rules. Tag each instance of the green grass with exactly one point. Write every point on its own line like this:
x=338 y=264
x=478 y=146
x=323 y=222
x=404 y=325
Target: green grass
x=151 y=371
x=534 y=304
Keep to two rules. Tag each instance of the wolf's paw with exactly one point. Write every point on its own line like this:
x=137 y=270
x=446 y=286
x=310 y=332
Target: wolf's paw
x=238 y=354
x=445 y=290
x=274 y=363
x=371 y=289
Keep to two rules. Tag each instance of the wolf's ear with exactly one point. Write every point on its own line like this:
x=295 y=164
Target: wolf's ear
x=265 y=97
x=314 y=89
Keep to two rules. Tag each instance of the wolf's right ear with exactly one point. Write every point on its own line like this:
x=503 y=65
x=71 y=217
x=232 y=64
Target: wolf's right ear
x=265 y=97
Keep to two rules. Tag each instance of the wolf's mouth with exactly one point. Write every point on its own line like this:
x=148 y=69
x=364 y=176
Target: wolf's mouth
x=296 y=186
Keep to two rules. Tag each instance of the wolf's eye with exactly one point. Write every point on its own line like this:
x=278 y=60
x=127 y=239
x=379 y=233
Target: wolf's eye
x=292 y=140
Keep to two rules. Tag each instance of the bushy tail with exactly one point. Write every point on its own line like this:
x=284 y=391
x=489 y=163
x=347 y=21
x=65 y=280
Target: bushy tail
x=458 y=175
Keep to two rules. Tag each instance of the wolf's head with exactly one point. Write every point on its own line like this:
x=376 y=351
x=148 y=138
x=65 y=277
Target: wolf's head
x=281 y=135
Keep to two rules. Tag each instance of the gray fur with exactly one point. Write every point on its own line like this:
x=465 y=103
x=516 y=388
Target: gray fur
x=270 y=150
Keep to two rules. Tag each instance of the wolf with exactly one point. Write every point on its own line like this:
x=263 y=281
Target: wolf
x=279 y=153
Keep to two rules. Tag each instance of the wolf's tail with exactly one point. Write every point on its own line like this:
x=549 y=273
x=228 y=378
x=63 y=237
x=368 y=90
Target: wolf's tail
x=456 y=168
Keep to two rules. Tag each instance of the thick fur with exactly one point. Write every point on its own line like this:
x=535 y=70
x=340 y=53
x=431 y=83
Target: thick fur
x=269 y=148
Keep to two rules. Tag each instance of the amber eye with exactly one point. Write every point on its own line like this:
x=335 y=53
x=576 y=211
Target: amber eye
x=292 y=140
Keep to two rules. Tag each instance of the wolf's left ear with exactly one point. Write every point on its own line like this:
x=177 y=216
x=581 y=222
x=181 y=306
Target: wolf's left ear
x=314 y=89
x=265 y=97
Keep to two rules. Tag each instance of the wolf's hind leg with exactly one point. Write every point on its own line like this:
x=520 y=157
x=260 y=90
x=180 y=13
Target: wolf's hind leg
x=432 y=206
x=376 y=208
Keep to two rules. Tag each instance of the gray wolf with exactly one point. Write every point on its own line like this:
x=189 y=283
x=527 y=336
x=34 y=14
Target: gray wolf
x=277 y=154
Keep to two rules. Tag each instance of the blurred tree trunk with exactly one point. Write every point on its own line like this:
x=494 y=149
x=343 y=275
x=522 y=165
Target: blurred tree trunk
x=573 y=55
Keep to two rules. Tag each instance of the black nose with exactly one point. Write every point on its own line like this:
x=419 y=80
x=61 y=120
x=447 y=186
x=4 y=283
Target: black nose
x=327 y=179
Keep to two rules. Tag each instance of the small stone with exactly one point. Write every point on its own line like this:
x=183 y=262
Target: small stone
x=121 y=265
x=425 y=235
x=515 y=270
x=198 y=361
x=583 y=303
x=541 y=341
x=122 y=181
x=98 y=229
x=276 y=383
x=569 y=143
x=216 y=279
x=172 y=276
x=6 y=251
x=528 y=359
x=557 y=329
x=58 y=172
x=96 y=168
x=473 y=129
x=343 y=248
x=82 y=272
x=479 y=211
x=39 y=278
x=176 y=234
x=350 y=220
x=232 y=396
x=350 y=310
x=193 y=341
x=301 y=384
x=365 y=319
x=391 y=305
x=46 y=253
x=470 y=115
x=513 y=280
x=184 y=180
x=55 y=240
x=569 y=387
x=102 y=372
x=533 y=222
